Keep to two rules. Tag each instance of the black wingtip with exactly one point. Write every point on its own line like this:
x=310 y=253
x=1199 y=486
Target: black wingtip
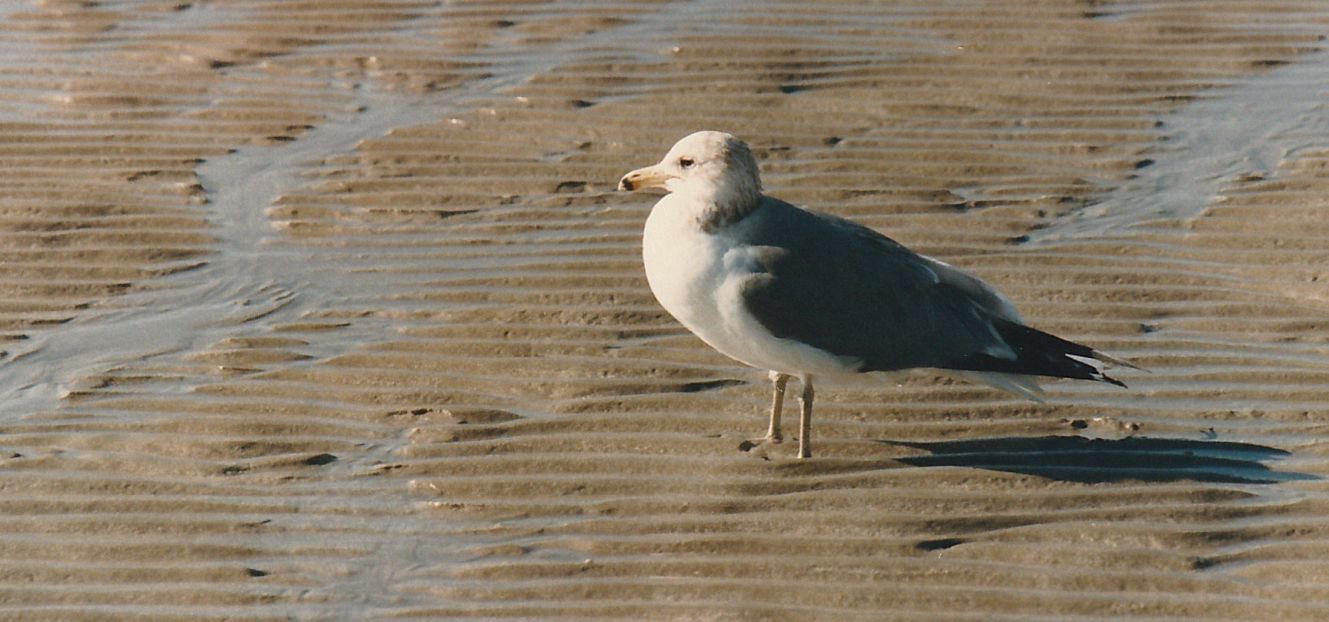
x=1042 y=354
x=1102 y=377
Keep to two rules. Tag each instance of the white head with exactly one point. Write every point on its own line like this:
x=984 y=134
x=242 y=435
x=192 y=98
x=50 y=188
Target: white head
x=713 y=167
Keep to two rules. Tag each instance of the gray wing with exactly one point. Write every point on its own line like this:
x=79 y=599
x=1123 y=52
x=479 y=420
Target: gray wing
x=848 y=290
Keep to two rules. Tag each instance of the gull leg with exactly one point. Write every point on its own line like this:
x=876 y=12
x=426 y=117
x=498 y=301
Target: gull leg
x=805 y=420
x=779 y=380
x=773 y=434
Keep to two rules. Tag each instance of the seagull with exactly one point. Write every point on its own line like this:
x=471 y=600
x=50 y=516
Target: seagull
x=810 y=295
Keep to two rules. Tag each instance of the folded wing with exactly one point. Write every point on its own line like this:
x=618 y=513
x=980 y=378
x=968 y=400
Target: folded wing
x=848 y=290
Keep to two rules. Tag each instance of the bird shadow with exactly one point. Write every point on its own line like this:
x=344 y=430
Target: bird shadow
x=1091 y=460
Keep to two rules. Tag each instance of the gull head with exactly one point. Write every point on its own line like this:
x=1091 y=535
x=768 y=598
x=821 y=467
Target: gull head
x=713 y=167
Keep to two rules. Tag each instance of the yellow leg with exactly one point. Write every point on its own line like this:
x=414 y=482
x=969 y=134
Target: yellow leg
x=805 y=420
x=777 y=405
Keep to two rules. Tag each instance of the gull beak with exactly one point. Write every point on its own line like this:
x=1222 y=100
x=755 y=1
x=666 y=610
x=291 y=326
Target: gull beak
x=644 y=178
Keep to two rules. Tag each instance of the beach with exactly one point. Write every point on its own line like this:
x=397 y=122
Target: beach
x=330 y=310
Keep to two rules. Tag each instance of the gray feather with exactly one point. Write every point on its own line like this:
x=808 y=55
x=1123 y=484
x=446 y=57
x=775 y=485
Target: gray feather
x=848 y=290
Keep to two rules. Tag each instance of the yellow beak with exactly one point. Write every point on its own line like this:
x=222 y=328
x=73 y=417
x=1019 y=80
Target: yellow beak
x=650 y=177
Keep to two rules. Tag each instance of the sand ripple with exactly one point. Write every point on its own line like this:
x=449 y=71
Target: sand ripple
x=328 y=310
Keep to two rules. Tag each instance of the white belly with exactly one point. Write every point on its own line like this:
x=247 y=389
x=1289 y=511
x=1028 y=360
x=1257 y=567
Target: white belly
x=697 y=277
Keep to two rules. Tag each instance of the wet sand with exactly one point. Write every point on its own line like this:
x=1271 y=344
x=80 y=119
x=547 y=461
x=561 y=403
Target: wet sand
x=328 y=311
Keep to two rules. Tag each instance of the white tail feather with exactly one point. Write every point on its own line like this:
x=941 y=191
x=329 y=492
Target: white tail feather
x=1023 y=386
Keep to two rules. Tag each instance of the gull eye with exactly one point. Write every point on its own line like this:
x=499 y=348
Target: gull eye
x=686 y=162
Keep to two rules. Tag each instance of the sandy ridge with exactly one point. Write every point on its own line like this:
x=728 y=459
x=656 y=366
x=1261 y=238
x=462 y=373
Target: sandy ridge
x=497 y=421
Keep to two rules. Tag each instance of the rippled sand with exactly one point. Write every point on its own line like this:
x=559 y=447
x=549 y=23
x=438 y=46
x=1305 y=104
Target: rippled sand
x=327 y=310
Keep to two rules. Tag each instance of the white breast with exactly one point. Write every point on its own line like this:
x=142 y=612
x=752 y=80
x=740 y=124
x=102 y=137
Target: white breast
x=683 y=265
x=698 y=278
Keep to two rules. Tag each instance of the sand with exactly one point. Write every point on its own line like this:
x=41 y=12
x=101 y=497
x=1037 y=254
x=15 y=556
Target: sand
x=328 y=310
